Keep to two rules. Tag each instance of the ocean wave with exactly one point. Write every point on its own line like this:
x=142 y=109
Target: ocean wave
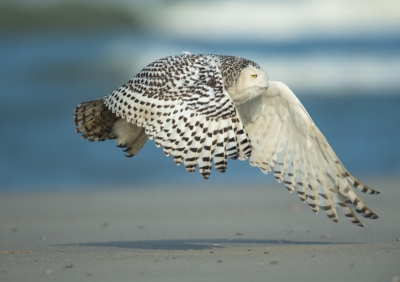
x=277 y=20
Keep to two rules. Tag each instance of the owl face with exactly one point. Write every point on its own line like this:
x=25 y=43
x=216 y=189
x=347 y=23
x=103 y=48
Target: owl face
x=251 y=83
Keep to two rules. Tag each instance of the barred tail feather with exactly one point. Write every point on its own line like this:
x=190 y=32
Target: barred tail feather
x=97 y=123
x=94 y=120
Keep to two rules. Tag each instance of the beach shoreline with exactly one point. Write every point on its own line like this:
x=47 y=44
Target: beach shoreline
x=253 y=233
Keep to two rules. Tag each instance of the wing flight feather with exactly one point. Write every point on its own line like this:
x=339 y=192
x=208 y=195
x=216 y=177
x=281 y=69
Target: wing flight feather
x=286 y=140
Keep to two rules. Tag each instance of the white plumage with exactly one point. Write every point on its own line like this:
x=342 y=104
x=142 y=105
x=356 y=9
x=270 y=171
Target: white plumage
x=201 y=108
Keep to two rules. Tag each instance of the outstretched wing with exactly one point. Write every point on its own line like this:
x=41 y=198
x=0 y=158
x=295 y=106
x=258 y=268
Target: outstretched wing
x=286 y=140
x=182 y=103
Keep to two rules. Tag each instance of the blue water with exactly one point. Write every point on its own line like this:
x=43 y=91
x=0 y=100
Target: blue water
x=43 y=76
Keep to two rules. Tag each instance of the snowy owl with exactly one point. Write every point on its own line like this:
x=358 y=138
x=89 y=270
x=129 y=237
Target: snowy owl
x=208 y=108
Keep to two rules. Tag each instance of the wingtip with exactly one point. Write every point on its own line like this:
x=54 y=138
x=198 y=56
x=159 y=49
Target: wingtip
x=205 y=176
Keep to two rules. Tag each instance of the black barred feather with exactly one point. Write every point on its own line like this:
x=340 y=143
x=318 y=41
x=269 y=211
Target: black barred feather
x=210 y=108
x=181 y=102
x=94 y=121
x=286 y=140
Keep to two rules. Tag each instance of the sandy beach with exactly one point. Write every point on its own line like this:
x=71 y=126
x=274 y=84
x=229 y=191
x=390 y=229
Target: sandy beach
x=254 y=233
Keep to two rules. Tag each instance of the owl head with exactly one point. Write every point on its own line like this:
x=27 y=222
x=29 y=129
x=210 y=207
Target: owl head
x=251 y=83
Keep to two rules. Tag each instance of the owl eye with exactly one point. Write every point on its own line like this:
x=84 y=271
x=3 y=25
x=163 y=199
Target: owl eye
x=254 y=76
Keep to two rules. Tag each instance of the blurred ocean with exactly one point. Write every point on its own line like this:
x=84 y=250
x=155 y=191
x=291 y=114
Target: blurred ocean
x=349 y=84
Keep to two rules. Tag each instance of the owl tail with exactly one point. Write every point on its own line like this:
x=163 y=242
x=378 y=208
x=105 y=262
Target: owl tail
x=96 y=122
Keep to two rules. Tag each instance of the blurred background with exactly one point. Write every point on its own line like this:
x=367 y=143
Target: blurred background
x=341 y=58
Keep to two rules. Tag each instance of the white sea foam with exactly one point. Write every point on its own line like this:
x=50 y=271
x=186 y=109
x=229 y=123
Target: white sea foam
x=277 y=20
x=368 y=74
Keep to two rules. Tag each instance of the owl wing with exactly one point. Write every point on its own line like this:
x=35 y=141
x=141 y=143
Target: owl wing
x=286 y=141
x=182 y=104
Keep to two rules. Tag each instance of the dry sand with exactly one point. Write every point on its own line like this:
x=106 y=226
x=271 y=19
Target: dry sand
x=255 y=233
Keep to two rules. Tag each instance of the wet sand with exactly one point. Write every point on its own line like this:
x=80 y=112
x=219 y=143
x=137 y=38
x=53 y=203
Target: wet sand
x=254 y=233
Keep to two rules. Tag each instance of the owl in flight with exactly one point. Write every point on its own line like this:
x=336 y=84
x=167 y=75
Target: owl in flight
x=208 y=108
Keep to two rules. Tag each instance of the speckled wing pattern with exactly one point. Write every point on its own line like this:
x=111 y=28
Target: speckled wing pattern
x=183 y=105
x=286 y=141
